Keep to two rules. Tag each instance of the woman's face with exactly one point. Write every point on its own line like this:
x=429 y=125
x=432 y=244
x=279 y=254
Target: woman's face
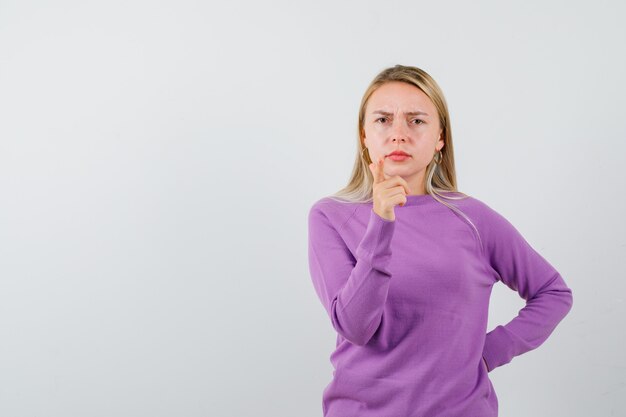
x=401 y=117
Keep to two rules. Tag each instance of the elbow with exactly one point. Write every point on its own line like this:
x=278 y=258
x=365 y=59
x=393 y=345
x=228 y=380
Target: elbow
x=561 y=294
x=566 y=295
x=356 y=335
x=355 y=332
x=570 y=299
x=563 y=301
x=357 y=340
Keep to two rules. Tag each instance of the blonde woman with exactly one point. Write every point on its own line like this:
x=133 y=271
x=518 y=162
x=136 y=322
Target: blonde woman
x=404 y=264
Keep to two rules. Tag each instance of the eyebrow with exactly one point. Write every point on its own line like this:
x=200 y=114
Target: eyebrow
x=408 y=113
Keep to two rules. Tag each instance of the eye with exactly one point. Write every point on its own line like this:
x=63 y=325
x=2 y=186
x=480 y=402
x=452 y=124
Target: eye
x=418 y=120
x=380 y=118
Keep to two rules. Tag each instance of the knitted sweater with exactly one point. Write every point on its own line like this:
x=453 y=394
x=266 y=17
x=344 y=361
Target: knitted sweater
x=409 y=299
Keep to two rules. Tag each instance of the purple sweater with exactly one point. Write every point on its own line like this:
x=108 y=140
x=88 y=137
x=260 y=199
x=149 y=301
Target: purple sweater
x=409 y=300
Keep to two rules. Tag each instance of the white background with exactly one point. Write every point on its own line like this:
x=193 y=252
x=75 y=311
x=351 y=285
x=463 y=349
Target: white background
x=158 y=161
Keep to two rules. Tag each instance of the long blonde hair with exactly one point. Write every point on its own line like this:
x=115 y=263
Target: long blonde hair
x=440 y=177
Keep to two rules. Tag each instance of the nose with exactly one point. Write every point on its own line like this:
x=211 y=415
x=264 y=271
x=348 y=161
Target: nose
x=398 y=133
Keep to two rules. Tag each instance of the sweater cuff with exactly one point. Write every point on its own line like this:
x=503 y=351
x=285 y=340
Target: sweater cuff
x=497 y=350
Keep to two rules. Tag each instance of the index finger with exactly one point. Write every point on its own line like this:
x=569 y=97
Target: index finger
x=373 y=166
x=380 y=173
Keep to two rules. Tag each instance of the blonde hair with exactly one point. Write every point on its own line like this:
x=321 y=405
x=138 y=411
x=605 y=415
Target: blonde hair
x=440 y=177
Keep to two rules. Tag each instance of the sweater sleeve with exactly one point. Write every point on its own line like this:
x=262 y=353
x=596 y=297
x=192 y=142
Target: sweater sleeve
x=353 y=289
x=521 y=268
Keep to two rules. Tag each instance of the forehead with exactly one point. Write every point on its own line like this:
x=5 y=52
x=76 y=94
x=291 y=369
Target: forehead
x=396 y=96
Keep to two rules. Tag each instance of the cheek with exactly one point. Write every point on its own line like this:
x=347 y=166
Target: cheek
x=423 y=155
x=375 y=142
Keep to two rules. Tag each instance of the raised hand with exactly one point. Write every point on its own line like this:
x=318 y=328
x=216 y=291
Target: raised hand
x=387 y=192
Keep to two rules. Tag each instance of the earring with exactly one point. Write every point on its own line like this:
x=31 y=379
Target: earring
x=438 y=157
x=366 y=156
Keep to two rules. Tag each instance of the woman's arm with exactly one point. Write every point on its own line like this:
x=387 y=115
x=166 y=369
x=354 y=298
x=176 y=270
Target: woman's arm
x=352 y=290
x=521 y=268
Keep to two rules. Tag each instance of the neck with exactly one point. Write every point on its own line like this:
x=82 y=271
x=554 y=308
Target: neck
x=416 y=183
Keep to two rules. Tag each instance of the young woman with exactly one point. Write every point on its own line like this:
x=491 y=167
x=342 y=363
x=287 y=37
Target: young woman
x=404 y=264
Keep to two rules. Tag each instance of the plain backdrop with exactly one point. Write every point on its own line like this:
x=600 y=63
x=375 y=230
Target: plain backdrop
x=158 y=160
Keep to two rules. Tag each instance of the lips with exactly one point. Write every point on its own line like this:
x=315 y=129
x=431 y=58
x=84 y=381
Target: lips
x=399 y=153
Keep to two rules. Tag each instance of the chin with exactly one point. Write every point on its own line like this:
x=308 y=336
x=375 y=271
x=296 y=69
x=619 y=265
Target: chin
x=404 y=170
